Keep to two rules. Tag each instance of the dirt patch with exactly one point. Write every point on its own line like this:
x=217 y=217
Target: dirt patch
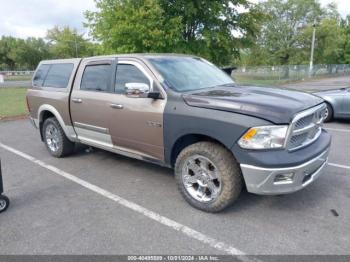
x=12 y=118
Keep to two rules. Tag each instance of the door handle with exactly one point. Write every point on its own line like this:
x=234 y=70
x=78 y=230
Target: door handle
x=117 y=106
x=77 y=100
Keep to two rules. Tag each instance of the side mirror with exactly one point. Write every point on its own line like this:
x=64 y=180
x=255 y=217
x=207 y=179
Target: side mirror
x=140 y=90
x=137 y=89
x=228 y=70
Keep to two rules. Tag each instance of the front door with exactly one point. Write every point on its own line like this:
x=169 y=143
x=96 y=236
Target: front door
x=137 y=123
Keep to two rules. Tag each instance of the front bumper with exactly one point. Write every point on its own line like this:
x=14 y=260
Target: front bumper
x=264 y=181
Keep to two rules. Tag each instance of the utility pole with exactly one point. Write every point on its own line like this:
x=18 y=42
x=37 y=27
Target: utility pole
x=76 y=46
x=312 y=48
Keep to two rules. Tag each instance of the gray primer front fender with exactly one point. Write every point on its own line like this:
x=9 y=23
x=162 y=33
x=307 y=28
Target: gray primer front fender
x=181 y=119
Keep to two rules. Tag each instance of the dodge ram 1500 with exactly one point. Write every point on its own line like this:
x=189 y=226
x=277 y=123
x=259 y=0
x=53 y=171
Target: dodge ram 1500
x=185 y=113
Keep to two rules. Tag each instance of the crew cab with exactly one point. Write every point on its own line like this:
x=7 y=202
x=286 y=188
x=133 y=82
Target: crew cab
x=184 y=113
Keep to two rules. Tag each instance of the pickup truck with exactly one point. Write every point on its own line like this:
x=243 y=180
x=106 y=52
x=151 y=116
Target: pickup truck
x=184 y=113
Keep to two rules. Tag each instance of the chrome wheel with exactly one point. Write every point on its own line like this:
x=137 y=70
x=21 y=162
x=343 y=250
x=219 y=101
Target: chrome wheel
x=326 y=113
x=3 y=204
x=52 y=138
x=201 y=178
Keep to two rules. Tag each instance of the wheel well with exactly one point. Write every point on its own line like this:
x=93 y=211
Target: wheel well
x=328 y=103
x=45 y=115
x=332 y=108
x=187 y=140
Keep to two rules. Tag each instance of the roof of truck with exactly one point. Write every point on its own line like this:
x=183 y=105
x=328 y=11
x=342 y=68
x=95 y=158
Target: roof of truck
x=135 y=55
x=144 y=55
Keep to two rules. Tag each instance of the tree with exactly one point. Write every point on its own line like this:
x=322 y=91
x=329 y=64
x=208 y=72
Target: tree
x=25 y=54
x=329 y=44
x=213 y=29
x=7 y=52
x=32 y=51
x=16 y=53
x=281 y=32
x=345 y=24
x=66 y=43
x=125 y=26
x=202 y=27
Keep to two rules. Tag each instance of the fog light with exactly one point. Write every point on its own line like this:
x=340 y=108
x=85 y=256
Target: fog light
x=284 y=178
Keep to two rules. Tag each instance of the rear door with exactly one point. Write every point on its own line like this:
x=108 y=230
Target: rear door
x=90 y=101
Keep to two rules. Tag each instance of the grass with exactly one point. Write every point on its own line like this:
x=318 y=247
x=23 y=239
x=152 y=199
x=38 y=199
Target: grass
x=258 y=82
x=12 y=102
x=245 y=79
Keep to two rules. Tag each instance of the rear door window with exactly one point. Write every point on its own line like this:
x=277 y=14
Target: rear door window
x=96 y=78
x=40 y=75
x=58 y=75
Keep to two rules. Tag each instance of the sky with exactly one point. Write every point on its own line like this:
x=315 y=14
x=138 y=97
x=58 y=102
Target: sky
x=20 y=18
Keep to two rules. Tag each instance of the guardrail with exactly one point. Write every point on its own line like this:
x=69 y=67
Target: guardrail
x=16 y=73
x=15 y=76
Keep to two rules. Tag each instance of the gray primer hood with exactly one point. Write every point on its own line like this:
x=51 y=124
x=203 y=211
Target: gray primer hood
x=275 y=105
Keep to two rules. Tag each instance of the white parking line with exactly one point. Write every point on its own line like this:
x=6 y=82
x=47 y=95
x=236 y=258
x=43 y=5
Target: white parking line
x=340 y=166
x=338 y=130
x=221 y=246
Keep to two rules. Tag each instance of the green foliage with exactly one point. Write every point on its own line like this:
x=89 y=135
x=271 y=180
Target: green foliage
x=213 y=29
x=328 y=45
x=281 y=32
x=132 y=26
x=7 y=53
x=19 y=53
x=273 y=32
x=33 y=50
x=203 y=27
x=25 y=54
x=286 y=34
x=66 y=43
x=345 y=25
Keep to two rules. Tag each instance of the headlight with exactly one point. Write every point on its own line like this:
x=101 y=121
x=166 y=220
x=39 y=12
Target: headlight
x=264 y=137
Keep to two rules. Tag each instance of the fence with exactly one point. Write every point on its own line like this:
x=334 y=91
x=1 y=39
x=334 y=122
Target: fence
x=9 y=76
x=16 y=73
x=290 y=72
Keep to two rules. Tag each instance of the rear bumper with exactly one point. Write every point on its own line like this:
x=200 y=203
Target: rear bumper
x=266 y=181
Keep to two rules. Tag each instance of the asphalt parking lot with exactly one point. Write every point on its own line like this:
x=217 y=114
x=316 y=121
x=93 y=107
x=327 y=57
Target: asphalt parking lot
x=95 y=202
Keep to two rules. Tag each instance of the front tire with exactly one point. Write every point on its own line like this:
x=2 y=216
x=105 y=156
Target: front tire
x=208 y=176
x=329 y=113
x=55 y=139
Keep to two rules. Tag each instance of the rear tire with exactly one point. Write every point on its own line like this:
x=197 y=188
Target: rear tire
x=55 y=139
x=329 y=113
x=208 y=176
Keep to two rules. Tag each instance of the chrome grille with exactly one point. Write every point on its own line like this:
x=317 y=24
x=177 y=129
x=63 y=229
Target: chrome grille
x=303 y=122
x=297 y=140
x=306 y=127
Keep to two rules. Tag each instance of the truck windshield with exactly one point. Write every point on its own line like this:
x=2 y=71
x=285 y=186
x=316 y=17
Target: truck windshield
x=184 y=74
